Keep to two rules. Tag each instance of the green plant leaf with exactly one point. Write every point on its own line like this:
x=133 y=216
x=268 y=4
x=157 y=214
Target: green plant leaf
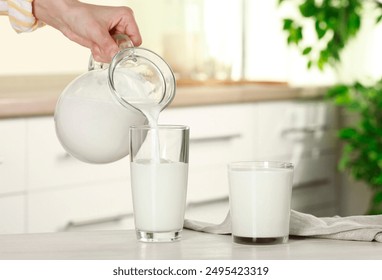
x=308 y=8
x=378 y=181
x=320 y=30
x=354 y=23
x=295 y=34
x=372 y=155
x=288 y=23
x=377 y=197
x=343 y=100
x=342 y=164
x=307 y=50
x=347 y=133
x=321 y=63
x=378 y=20
x=337 y=90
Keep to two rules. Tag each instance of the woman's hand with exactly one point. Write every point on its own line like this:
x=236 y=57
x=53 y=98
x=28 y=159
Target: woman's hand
x=91 y=26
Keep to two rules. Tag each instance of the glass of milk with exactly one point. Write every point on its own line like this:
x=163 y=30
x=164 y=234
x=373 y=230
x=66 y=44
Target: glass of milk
x=260 y=197
x=159 y=172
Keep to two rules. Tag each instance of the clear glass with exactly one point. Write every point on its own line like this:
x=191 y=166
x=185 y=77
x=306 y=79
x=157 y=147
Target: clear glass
x=138 y=75
x=159 y=174
x=260 y=196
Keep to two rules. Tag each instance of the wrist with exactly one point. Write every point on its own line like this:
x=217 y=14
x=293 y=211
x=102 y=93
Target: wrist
x=52 y=12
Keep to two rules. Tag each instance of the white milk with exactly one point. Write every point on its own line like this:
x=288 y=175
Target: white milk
x=260 y=201
x=151 y=111
x=159 y=195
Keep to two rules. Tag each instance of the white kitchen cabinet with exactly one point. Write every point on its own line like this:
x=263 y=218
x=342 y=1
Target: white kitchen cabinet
x=67 y=194
x=12 y=156
x=50 y=166
x=12 y=214
x=95 y=206
x=316 y=191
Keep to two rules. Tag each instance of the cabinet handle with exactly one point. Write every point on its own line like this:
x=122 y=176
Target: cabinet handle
x=304 y=130
x=311 y=184
x=98 y=221
x=222 y=138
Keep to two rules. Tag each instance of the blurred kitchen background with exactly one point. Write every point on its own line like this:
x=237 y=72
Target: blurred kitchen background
x=244 y=92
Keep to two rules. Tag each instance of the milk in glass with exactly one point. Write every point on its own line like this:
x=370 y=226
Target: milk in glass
x=260 y=201
x=159 y=190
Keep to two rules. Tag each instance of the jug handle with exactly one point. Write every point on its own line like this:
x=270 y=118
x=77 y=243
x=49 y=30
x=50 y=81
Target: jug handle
x=123 y=41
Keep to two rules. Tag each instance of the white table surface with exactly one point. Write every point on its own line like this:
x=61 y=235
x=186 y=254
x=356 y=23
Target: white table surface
x=117 y=245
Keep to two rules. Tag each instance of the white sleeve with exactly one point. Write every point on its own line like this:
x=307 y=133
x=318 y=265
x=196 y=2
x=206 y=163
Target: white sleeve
x=20 y=13
x=3 y=7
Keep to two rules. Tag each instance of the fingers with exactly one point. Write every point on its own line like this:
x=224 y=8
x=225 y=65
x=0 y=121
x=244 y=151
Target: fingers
x=102 y=54
x=132 y=30
x=124 y=22
x=104 y=47
x=120 y=20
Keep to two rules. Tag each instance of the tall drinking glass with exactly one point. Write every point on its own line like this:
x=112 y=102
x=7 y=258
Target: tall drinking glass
x=159 y=172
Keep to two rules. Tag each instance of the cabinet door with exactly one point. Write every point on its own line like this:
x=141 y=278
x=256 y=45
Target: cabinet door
x=50 y=166
x=12 y=219
x=317 y=198
x=12 y=155
x=101 y=206
x=289 y=128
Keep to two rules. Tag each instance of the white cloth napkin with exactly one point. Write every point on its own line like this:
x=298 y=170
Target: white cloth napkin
x=358 y=228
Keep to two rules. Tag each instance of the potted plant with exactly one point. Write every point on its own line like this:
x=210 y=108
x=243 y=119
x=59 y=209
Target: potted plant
x=335 y=23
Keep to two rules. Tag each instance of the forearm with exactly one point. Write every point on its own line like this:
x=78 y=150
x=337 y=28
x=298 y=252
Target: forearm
x=55 y=12
x=20 y=13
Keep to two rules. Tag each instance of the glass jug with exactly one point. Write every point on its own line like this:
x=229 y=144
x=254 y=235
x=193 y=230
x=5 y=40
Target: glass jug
x=94 y=111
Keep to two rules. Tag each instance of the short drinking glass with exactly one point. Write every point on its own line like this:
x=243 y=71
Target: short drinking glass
x=260 y=197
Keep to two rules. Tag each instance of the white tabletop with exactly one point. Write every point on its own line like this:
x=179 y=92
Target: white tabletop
x=119 y=245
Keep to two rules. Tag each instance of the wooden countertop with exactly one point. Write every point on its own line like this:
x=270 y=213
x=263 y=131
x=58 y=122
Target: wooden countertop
x=24 y=96
x=118 y=245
